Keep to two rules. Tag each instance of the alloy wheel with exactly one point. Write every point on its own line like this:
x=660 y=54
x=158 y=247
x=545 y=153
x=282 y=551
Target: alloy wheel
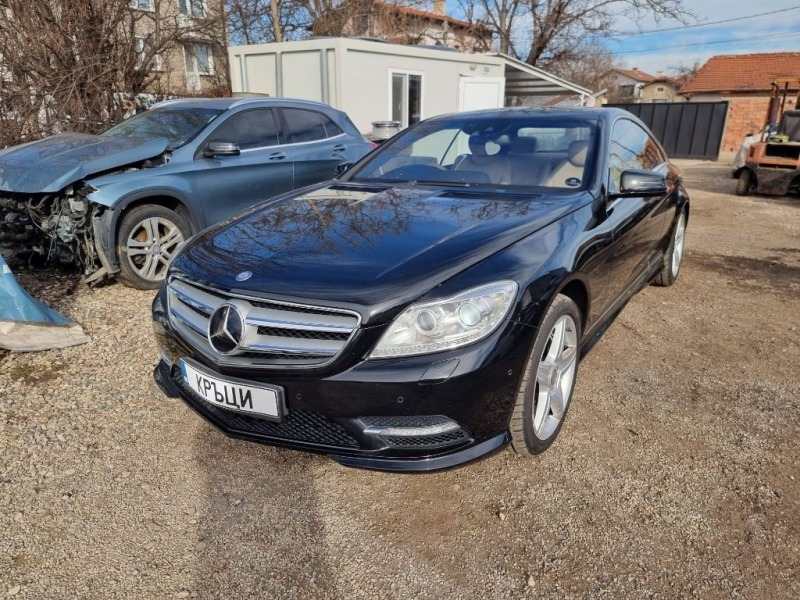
x=677 y=245
x=554 y=377
x=151 y=245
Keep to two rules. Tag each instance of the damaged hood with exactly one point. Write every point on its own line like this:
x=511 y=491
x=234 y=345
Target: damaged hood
x=51 y=164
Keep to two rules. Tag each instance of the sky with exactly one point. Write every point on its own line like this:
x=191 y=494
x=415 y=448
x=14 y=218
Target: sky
x=769 y=33
x=773 y=33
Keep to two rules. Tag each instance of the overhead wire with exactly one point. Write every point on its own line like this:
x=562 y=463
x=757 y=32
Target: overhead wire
x=711 y=43
x=705 y=24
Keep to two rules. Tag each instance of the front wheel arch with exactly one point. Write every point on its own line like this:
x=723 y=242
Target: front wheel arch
x=149 y=236
x=107 y=235
x=528 y=428
x=576 y=290
x=171 y=202
x=667 y=274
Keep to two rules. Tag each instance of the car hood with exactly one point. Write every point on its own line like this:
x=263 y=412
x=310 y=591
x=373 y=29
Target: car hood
x=372 y=249
x=51 y=164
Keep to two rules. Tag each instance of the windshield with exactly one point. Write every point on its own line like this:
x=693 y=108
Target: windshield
x=515 y=151
x=178 y=125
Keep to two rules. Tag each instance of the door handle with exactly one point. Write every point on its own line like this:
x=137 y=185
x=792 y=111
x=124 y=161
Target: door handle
x=339 y=148
x=277 y=156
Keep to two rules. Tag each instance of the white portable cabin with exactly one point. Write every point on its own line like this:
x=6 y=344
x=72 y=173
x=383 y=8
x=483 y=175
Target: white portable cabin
x=377 y=81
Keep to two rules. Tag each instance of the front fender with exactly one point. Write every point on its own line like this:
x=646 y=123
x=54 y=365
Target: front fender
x=118 y=196
x=121 y=190
x=543 y=264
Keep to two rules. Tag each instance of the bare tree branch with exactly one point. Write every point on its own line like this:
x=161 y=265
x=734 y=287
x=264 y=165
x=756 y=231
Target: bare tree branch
x=545 y=32
x=76 y=64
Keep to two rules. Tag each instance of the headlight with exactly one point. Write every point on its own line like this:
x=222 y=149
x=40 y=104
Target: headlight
x=449 y=323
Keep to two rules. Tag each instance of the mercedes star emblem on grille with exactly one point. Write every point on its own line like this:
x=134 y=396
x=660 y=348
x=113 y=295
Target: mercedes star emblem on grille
x=225 y=329
x=244 y=276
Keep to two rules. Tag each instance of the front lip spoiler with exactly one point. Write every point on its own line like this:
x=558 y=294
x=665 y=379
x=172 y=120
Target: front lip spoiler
x=421 y=465
x=398 y=465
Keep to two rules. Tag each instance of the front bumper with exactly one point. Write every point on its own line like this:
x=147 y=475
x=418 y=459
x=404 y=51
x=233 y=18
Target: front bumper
x=319 y=427
x=334 y=410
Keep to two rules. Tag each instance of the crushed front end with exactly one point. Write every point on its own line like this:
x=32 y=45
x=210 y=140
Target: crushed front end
x=58 y=228
x=46 y=215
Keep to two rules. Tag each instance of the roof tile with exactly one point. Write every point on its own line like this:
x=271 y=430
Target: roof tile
x=635 y=74
x=744 y=72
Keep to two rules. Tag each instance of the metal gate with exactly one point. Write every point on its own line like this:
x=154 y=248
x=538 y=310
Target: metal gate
x=685 y=129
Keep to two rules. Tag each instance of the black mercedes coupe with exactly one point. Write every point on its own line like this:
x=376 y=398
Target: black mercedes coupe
x=433 y=303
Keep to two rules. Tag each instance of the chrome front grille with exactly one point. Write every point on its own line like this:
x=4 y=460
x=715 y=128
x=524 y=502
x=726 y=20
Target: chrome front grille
x=274 y=333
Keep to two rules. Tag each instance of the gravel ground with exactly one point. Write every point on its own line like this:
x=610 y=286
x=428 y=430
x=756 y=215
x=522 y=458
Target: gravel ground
x=675 y=475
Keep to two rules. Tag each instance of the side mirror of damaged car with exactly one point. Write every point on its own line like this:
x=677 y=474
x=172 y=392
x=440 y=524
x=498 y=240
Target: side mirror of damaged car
x=636 y=183
x=341 y=168
x=215 y=149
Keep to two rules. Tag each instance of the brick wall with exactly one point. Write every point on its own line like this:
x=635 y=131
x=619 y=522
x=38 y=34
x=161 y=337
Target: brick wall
x=746 y=114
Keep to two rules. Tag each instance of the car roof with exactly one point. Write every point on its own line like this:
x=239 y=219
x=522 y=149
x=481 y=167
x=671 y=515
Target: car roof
x=525 y=111
x=227 y=103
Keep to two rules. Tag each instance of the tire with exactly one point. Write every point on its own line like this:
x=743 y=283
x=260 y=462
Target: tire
x=149 y=236
x=673 y=257
x=537 y=419
x=745 y=183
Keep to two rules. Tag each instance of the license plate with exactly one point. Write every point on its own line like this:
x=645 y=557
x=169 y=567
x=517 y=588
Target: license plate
x=233 y=394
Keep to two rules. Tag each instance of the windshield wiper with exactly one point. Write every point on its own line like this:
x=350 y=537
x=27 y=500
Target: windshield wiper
x=439 y=183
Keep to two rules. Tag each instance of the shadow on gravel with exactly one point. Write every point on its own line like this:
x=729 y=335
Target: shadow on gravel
x=789 y=201
x=54 y=287
x=259 y=533
x=779 y=272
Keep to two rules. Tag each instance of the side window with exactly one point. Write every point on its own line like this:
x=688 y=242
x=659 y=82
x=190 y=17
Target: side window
x=250 y=129
x=655 y=153
x=331 y=128
x=309 y=125
x=631 y=148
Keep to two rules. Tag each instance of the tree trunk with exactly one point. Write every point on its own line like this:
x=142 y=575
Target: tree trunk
x=276 y=20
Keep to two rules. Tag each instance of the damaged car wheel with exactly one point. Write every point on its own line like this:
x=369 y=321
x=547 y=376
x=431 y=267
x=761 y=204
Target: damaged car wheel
x=149 y=237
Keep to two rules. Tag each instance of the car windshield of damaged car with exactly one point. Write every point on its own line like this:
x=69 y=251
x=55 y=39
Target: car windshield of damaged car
x=498 y=152
x=178 y=125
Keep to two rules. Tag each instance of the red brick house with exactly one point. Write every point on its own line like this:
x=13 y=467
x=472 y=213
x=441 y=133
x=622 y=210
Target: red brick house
x=744 y=80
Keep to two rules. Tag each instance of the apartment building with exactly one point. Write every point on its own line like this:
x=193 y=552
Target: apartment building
x=183 y=42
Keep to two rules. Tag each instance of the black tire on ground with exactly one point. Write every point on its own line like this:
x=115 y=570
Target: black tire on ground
x=744 y=183
x=149 y=235
x=524 y=439
x=668 y=274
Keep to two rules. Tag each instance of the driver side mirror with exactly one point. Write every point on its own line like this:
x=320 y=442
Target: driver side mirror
x=638 y=183
x=215 y=149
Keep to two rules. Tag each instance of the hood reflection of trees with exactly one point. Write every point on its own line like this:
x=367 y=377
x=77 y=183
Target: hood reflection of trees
x=316 y=221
